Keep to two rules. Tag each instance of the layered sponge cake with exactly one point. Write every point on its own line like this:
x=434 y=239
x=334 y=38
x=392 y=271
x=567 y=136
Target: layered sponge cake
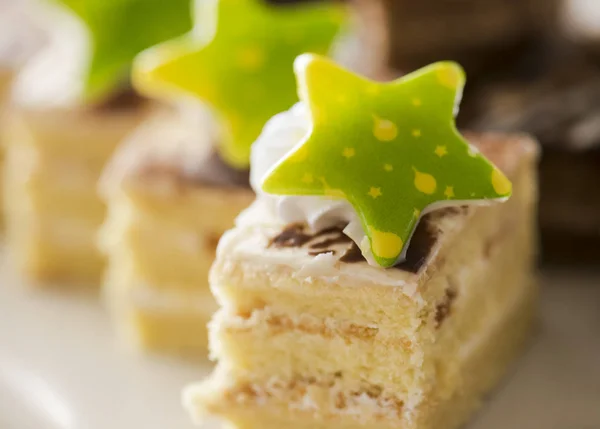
x=309 y=335
x=169 y=197
x=20 y=37
x=54 y=158
x=72 y=106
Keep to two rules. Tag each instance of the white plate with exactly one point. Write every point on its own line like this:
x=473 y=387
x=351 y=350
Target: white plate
x=61 y=368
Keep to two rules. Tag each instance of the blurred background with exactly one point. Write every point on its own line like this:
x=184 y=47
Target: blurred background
x=532 y=66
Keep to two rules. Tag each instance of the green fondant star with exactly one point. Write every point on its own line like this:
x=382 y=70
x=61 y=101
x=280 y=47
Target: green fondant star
x=391 y=150
x=239 y=60
x=120 y=29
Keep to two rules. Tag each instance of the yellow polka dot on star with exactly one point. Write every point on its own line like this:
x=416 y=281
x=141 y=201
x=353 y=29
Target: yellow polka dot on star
x=441 y=151
x=385 y=244
x=384 y=130
x=424 y=182
x=375 y=192
x=348 y=152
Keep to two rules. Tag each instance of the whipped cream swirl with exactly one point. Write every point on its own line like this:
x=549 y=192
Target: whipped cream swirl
x=280 y=135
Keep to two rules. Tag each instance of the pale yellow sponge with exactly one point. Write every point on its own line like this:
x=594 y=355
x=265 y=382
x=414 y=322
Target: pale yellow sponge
x=54 y=158
x=311 y=336
x=169 y=200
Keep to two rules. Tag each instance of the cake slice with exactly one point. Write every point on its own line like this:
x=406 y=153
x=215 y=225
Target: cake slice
x=20 y=37
x=311 y=336
x=73 y=105
x=169 y=199
x=54 y=158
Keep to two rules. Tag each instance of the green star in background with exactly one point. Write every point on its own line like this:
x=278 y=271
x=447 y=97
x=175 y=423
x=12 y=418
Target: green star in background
x=239 y=60
x=120 y=29
x=390 y=149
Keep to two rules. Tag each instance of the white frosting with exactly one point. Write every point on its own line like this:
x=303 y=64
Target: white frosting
x=55 y=76
x=281 y=134
x=20 y=33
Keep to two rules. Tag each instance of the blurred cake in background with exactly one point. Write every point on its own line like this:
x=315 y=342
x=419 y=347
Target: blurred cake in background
x=170 y=197
x=560 y=105
x=20 y=37
x=486 y=37
x=72 y=105
x=183 y=178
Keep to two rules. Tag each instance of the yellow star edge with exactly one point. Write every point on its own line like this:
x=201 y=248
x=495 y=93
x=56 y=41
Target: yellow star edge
x=171 y=71
x=386 y=247
x=147 y=69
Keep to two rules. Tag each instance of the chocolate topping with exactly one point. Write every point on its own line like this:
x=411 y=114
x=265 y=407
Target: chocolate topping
x=340 y=238
x=421 y=245
x=292 y=236
x=216 y=172
x=443 y=309
x=211 y=170
x=353 y=255
x=422 y=242
x=124 y=99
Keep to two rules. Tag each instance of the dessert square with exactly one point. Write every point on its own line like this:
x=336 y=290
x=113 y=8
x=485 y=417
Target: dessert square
x=169 y=199
x=54 y=157
x=311 y=336
x=20 y=37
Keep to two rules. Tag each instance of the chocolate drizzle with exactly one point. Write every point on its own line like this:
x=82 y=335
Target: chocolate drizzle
x=292 y=236
x=334 y=235
x=216 y=172
x=352 y=255
x=421 y=245
x=211 y=171
x=443 y=309
x=124 y=99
